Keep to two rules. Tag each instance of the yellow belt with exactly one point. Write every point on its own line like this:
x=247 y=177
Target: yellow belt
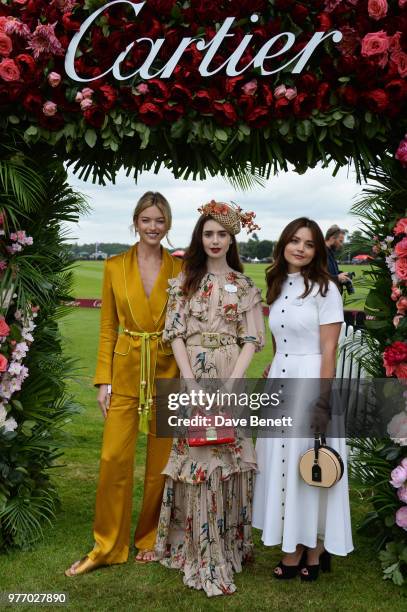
x=146 y=376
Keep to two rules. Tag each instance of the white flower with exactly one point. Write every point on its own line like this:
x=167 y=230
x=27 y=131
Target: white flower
x=14 y=368
x=3 y=414
x=10 y=424
x=27 y=336
x=389 y=238
x=397 y=428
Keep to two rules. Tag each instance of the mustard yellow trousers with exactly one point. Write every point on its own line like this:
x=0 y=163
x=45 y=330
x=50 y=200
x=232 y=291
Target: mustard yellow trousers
x=115 y=488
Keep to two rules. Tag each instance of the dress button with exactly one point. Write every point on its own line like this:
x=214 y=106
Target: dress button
x=282 y=518
x=283 y=460
x=290 y=283
x=286 y=354
x=283 y=475
x=286 y=297
x=282 y=503
x=283 y=310
x=285 y=340
x=282 y=326
x=283 y=490
x=282 y=446
x=283 y=370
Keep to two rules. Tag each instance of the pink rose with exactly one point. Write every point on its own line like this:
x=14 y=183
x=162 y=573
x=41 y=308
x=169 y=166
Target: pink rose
x=401 y=268
x=395 y=293
x=377 y=9
x=54 y=79
x=402 y=305
x=78 y=97
x=375 y=43
x=401 y=248
x=402 y=494
x=250 y=88
x=402 y=3
x=87 y=92
x=398 y=477
x=291 y=93
x=6 y=46
x=49 y=109
x=280 y=92
x=400 y=59
x=401 y=517
x=401 y=225
x=4 y=328
x=397 y=319
x=9 y=70
x=142 y=88
x=3 y=363
x=86 y=103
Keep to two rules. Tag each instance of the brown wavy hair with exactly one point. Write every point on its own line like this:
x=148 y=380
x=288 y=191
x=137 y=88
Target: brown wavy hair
x=195 y=258
x=315 y=273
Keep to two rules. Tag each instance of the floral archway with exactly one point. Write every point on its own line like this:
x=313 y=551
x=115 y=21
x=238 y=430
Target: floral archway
x=234 y=87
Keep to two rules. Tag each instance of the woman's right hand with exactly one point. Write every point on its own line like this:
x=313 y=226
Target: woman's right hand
x=103 y=398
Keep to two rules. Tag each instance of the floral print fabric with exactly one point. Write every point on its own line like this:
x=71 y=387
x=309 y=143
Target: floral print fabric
x=205 y=522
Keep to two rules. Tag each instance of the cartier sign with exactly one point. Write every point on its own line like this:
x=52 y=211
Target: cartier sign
x=276 y=47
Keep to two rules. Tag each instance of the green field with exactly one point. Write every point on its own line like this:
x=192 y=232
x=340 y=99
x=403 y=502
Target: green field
x=355 y=583
x=88 y=280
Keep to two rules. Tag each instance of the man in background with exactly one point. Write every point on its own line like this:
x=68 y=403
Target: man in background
x=334 y=239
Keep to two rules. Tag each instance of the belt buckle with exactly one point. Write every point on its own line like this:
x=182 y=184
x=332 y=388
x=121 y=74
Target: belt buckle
x=210 y=339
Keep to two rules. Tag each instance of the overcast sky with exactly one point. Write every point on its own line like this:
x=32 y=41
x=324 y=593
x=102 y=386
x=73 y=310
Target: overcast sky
x=315 y=194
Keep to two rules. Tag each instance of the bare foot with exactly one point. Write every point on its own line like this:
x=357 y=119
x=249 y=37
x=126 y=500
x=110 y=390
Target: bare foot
x=146 y=556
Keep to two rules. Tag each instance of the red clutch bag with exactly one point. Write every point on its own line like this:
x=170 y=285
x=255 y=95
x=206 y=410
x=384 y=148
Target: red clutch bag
x=209 y=434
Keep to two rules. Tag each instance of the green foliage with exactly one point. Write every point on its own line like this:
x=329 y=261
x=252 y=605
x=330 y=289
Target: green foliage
x=36 y=198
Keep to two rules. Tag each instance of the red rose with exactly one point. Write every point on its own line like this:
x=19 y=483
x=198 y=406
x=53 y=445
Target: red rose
x=266 y=94
x=179 y=93
x=308 y=82
x=322 y=99
x=172 y=112
x=53 y=123
x=377 y=9
x=393 y=355
x=158 y=90
x=397 y=90
x=106 y=96
x=10 y=93
x=259 y=117
x=33 y=103
x=9 y=71
x=303 y=105
x=128 y=100
x=202 y=101
x=299 y=13
x=150 y=113
x=225 y=113
x=246 y=104
x=27 y=67
x=233 y=83
x=349 y=95
x=324 y=22
x=71 y=25
x=94 y=116
x=376 y=100
x=282 y=108
x=162 y=7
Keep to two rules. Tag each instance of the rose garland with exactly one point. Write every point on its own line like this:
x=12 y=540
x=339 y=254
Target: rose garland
x=365 y=74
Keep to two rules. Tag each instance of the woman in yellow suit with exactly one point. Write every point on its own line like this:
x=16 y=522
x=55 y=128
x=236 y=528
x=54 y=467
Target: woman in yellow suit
x=131 y=355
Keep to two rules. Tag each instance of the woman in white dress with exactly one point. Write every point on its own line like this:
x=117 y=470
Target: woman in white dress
x=306 y=314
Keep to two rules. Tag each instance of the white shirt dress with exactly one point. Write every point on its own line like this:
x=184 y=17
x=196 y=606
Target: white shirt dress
x=285 y=508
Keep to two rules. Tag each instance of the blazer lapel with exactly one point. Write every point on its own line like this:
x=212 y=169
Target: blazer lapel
x=137 y=302
x=159 y=295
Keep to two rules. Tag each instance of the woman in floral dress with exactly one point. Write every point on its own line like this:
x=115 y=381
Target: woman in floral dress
x=205 y=523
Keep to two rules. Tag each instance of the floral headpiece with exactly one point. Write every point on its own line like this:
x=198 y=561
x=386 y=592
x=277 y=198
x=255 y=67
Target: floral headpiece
x=231 y=216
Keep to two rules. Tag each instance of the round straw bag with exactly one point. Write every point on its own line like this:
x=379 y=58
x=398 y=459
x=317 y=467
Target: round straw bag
x=321 y=466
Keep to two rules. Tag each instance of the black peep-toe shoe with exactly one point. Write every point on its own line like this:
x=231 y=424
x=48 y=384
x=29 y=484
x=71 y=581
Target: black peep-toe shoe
x=290 y=571
x=313 y=570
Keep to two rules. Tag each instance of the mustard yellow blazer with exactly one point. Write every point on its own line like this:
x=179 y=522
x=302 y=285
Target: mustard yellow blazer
x=130 y=342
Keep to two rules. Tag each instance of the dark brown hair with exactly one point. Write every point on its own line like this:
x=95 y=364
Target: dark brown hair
x=315 y=273
x=195 y=258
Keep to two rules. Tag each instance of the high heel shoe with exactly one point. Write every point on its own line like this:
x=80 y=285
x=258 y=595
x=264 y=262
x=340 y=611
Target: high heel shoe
x=313 y=570
x=290 y=571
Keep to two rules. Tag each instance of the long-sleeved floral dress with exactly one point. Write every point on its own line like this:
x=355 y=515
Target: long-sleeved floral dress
x=205 y=522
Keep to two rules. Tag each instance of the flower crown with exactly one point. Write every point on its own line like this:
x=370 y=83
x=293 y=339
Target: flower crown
x=231 y=216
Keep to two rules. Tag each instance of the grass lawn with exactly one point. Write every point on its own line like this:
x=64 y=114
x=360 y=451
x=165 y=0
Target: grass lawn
x=355 y=583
